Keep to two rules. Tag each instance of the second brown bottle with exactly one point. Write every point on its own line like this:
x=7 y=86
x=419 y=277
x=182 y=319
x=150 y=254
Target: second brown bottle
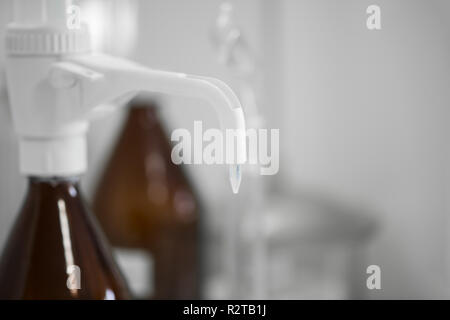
x=148 y=210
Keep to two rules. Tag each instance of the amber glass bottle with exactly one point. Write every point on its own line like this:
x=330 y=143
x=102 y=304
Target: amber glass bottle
x=55 y=250
x=146 y=204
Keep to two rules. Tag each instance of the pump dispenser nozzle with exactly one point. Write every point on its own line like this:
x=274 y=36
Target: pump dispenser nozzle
x=56 y=85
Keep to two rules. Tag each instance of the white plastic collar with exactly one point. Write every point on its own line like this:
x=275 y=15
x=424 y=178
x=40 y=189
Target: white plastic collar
x=46 y=41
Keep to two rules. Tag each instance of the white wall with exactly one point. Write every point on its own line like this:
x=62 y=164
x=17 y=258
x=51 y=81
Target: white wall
x=12 y=185
x=366 y=120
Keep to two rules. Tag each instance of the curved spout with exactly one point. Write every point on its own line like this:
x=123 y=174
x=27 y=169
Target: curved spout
x=103 y=78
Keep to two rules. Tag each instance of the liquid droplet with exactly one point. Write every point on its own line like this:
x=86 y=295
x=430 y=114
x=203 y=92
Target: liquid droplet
x=235 y=177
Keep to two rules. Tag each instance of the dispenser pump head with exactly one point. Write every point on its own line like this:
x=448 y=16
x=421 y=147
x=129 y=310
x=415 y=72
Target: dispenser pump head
x=56 y=85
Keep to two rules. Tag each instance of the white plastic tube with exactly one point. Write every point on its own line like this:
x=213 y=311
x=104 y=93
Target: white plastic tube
x=103 y=78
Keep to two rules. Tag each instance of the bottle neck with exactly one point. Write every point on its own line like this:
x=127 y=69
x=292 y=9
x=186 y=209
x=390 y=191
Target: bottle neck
x=54 y=180
x=54 y=186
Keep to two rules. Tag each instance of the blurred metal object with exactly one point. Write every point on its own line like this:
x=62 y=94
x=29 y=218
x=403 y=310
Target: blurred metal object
x=283 y=245
x=315 y=248
x=234 y=53
x=233 y=50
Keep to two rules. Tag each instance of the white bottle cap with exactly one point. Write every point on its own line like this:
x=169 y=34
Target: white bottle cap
x=65 y=156
x=38 y=37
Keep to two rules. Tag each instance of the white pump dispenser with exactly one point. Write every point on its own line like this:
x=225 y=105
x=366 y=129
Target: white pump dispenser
x=56 y=85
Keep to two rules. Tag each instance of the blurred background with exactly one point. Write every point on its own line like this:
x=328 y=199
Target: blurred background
x=362 y=114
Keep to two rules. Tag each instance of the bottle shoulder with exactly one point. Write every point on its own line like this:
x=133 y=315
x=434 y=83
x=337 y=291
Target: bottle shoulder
x=56 y=251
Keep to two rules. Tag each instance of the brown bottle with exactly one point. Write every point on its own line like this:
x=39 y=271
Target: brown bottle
x=55 y=250
x=146 y=204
